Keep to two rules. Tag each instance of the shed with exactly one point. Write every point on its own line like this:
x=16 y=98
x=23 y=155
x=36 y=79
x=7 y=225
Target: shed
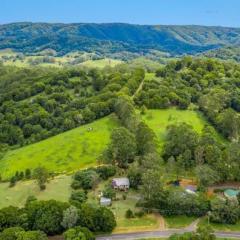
x=191 y=189
x=105 y=201
x=121 y=183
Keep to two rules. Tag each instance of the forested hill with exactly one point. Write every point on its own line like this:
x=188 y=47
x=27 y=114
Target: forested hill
x=115 y=37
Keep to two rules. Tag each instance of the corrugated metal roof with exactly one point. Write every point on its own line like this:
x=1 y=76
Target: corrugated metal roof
x=121 y=181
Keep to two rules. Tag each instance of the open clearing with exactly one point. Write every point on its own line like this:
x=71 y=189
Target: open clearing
x=10 y=57
x=101 y=63
x=159 y=120
x=66 y=152
x=178 y=221
x=57 y=188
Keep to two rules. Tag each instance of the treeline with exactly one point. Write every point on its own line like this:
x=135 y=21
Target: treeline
x=205 y=84
x=37 y=219
x=225 y=53
x=132 y=140
x=37 y=103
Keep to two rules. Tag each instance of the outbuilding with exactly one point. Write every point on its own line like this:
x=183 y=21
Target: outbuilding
x=105 y=201
x=191 y=189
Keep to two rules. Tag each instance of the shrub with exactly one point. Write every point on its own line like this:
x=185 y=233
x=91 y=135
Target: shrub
x=139 y=214
x=32 y=235
x=13 y=181
x=109 y=192
x=106 y=171
x=78 y=233
x=87 y=179
x=99 y=219
x=129 y=214
x=76 y=184
x=70 y=217
x=78 y=196
x=10 y=233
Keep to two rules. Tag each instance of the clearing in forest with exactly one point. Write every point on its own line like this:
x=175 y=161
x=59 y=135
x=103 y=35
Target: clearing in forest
x=159 y=120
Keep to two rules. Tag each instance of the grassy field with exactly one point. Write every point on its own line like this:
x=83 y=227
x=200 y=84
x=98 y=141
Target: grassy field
x=65 y=152
x=57 y=188
x=221 y=227
x=119 y=208
x=178 y=221
x=10 y=57
x=159 y=120
x=100 y=63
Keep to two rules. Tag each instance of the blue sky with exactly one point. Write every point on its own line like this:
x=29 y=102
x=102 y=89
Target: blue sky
x=198 y=12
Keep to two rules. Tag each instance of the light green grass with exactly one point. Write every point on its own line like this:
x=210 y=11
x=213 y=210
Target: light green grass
x=150 y=77
x=179 y=221
x=57 y=188
x=101 y=63
x=69 y=151
x=159 y=120
x=119 y=208
x=59 y=61
x=7 y=52
x=221 y=227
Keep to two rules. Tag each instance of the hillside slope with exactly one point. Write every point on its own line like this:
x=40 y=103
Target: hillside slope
x=225 y=53
x=114 y=37
x=69 y=151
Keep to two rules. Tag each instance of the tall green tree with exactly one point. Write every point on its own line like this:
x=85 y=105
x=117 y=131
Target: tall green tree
x=122 y=148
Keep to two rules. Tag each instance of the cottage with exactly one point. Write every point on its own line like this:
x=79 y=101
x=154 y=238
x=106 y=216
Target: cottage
x=105 y=201
x=121 y=183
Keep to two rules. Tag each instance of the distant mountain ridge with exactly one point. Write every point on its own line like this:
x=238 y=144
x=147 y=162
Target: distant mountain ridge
x=115 y=37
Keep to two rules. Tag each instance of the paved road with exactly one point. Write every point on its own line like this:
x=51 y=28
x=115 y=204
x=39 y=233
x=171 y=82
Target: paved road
x=161 y=234
x=140 y=235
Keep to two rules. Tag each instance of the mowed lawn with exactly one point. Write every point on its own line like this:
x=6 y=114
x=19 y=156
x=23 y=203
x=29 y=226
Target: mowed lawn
x=159 y=120
x=178 y=221
x=58 y=188
x=66 y=152
x=221 y=226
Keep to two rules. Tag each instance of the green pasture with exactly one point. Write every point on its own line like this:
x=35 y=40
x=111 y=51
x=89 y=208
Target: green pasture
x=66 y=152
x=57 y=188
x=100 y=63
x=159 y=120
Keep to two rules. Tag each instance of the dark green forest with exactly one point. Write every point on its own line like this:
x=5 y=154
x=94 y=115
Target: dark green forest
x=115 y=38
x=38 y=103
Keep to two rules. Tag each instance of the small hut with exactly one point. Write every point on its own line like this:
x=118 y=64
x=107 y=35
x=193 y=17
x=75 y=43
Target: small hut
x=105 y=201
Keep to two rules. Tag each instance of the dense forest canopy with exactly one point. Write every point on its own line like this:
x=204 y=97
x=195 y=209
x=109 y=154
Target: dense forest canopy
x=225 y=53
x=115 y=38
x=37 y=103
